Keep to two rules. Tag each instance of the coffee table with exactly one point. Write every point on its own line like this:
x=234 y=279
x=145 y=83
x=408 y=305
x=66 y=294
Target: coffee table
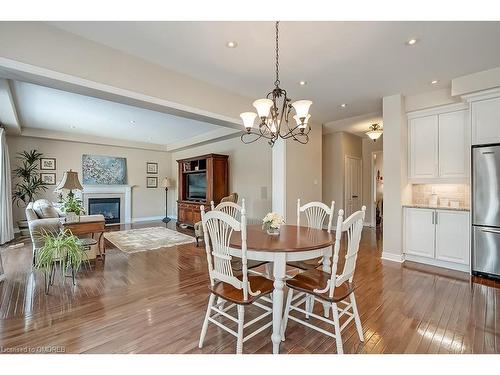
x=90 y=224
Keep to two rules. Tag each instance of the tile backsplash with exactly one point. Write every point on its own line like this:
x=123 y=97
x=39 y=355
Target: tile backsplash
x=421 y=193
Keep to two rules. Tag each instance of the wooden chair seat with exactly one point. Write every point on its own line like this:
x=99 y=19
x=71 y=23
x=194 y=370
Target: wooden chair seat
x=237 y=265
x=302 y=265
x=232 y=294
x=315 y=279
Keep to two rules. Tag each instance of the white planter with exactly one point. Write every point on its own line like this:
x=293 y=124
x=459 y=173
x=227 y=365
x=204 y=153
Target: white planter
x=71 y=217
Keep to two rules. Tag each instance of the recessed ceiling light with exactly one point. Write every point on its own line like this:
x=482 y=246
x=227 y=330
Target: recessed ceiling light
x=343 y=105
x=231 y=44
x=132 y=122
x=302 y=83
x=412 y=42
x=435 y=82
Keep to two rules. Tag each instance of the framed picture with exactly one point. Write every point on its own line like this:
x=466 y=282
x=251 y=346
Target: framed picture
x=151 y=182
x=48 y=178
x=47 y=164
x=151 y=168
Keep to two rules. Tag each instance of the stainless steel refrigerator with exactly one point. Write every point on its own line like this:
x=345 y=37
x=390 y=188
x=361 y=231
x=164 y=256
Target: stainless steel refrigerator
x=486 y=210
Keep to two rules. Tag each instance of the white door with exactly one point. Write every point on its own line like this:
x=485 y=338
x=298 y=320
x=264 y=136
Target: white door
x=352 y=184
x=423 y=133
x=486 y=121
x=454 y=144
x=452 y=236
x=419 y=232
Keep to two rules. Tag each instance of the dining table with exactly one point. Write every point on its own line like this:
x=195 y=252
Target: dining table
x=293 y=243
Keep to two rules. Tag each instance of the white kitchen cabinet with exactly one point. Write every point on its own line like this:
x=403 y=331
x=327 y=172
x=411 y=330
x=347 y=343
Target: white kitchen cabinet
x=438 y=237
x=486 y=121
x=419 y=232
x=454 y=144
x=452 y=236
x=439 y=144
x=424 y=147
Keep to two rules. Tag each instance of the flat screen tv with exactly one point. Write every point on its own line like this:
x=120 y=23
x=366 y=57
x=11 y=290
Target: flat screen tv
x=197 y=186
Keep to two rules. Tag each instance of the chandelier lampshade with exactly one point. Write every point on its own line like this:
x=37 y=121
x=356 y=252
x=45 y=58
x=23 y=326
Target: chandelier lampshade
x=248 y=119
x=375 y=132
x=275 y=111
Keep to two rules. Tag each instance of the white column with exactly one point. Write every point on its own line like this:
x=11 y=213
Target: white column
x=279 y=177
x=396 y=188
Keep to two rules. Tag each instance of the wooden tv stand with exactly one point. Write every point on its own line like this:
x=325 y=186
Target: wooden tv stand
x=216 y=170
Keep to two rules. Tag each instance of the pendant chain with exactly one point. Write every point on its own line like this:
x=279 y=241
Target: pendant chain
x=277 y=82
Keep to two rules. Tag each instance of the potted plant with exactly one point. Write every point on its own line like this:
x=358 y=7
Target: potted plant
x=272 y=223
x=73 y=207
x=29 y=183
x=62 y=247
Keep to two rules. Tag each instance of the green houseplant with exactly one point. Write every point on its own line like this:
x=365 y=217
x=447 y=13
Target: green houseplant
x=73 y=207
x=29 y=183
x=62 y=247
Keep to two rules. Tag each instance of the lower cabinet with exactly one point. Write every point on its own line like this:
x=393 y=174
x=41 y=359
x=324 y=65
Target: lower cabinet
x=189 y=213
x=437 y=236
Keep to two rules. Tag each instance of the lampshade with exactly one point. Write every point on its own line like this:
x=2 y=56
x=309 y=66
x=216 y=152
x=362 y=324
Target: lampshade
x=299 y=122
x=168 y=182
x=69 y=181
x=302 y=107
x=375 y=132
x=263 y=106
x=248 y=119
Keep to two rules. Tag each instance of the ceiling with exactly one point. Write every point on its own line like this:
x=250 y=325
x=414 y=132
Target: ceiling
x=356 y=63
x=46 y=108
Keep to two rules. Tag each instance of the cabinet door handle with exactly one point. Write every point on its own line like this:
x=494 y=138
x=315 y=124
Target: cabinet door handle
x=436 y=219
x=490 y=231
x=433 y=217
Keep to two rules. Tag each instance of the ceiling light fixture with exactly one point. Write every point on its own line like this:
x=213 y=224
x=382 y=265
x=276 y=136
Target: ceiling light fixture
x=375 y=132
x=302 y=83
x=435 y=82
x=231 y=44
x=412 y=42
x=343 y=105
x=132 y=122
x=274 y=113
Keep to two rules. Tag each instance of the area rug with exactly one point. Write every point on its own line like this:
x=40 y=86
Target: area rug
x=145 y=239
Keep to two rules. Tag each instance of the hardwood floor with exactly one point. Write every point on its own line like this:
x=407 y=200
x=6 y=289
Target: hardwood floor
x=155 y=301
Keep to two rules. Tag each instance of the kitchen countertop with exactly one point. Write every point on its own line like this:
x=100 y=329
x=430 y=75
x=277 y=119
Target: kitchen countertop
x=436 y=207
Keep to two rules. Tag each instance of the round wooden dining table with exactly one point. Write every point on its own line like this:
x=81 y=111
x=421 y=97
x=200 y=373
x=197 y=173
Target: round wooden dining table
x=292 y=244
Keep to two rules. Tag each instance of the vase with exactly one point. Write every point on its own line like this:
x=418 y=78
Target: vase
x=71 y=217
x=273 y=231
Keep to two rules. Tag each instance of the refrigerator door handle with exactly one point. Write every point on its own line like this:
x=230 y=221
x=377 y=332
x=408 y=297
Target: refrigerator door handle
x=490 y=231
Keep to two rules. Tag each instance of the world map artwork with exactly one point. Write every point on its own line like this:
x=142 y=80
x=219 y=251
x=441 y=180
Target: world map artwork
x=104 y=170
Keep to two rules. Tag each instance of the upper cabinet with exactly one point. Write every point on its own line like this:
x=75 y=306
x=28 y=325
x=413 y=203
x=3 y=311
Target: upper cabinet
x=486 y=121
x=439 y=144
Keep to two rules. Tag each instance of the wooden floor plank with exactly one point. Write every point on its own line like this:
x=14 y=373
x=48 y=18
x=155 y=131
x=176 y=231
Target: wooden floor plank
x=155 y=301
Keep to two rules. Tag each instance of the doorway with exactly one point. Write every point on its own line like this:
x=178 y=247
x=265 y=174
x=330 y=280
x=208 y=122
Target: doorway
x=352 y=188
x=377 y=189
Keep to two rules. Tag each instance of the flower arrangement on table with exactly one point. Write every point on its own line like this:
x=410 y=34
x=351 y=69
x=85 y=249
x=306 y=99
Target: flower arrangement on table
x=272 y=223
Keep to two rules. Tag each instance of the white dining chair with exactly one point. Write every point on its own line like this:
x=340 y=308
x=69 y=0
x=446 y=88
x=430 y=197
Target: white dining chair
x=239 y=291
x=330 y=288
x=234 y=210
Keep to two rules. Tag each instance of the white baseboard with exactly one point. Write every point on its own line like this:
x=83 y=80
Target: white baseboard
x=438 y=263
x=400 y=258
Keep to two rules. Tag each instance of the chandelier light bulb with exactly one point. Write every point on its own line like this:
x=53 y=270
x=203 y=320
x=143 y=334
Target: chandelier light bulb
x=248 y=119
x=300 y=124
x=302 y=108
x=263 y=106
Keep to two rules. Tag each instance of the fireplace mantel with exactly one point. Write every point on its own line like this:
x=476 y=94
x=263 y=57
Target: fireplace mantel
x=103 y=190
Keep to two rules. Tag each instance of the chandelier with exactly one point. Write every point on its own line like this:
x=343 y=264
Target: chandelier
x=375 y=132
x=274 y=113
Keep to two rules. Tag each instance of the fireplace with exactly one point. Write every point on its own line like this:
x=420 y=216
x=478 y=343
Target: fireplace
x=109 y=207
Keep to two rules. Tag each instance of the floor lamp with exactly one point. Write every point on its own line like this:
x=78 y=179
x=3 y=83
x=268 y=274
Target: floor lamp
x=167 y=183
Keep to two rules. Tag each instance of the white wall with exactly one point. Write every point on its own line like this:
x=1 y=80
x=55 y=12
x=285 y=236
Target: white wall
x=396 y=189
x=249 y=173
x=369 y=147
x=303 y=172
x=336 y=146
x=145 y=202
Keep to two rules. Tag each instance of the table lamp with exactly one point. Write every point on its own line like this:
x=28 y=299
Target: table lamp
x=69 y=182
